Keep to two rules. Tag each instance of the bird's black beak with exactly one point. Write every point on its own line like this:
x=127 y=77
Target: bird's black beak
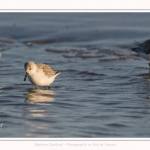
x=26 y=75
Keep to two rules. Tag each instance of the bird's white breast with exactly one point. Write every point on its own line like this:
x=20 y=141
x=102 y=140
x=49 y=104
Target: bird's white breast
x=40 y=79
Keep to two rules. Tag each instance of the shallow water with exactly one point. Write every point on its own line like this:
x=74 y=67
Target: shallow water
x=103 y=89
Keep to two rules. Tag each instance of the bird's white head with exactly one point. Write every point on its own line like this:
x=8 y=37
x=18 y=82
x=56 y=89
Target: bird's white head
x=29 y=68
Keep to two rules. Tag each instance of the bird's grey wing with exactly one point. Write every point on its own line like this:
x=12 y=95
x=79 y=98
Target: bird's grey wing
x=46 y=69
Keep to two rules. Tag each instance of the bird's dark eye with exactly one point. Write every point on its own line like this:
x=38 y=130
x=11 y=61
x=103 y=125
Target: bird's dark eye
x=30 y=69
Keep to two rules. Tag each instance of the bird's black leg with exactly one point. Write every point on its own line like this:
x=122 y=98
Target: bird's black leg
x=49 y=87
x=36 y=87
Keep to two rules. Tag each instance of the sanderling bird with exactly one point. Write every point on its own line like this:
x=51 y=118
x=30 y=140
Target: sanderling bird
x=40 y=74
x=143 y=49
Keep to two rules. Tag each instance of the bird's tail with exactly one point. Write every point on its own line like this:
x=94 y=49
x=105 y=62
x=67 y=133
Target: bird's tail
x=57 y=72
x=137 y=43
x=136 y=49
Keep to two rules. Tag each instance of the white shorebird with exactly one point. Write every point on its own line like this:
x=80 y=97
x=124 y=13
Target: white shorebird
x=143 y=49
x=40 y=74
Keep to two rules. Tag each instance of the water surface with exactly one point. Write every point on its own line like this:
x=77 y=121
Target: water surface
x=103 y=89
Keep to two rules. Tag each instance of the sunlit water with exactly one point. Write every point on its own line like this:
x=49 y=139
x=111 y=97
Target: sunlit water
x=103 y=89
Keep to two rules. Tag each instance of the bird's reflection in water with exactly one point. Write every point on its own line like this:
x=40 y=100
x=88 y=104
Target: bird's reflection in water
x=38 y=118
x=39 y=95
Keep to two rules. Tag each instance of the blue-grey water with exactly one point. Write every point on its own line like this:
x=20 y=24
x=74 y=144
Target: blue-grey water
x=103 y=89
